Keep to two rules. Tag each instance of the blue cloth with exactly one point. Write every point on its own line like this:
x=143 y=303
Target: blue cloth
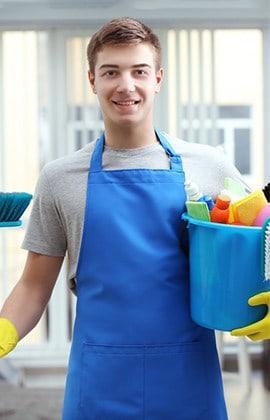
x=136 y=353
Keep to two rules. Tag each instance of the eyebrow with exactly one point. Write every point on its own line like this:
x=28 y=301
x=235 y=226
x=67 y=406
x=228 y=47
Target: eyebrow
x=115 y=66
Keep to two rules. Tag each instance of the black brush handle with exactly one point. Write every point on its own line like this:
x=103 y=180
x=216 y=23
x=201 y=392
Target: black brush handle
x=266 y=192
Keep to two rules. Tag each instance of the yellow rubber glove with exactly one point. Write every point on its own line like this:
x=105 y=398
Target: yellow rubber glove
x=258 y=330
x=8 y=336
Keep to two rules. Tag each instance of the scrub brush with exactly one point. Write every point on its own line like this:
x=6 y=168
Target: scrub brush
x=266 y=191
x=266 y=249
x=12 y=206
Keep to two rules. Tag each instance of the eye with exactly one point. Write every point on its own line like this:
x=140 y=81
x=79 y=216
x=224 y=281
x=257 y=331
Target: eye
x=141 y=72
x=110 y=73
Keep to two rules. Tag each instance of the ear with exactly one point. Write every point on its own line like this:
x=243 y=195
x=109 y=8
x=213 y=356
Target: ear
x=91 y=78
x=159 y=78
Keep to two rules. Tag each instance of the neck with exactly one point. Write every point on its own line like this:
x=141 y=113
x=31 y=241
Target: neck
x=129 y=137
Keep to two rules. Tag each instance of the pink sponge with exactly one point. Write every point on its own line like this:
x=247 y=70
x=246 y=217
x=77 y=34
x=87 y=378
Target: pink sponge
x=263 y=214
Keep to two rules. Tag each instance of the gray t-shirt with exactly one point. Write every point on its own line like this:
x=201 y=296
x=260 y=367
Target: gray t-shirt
x=57 y=216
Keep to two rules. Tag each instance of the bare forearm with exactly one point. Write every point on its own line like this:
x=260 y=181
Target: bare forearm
x=24 y=307
x=21 y=312
x=27 y=301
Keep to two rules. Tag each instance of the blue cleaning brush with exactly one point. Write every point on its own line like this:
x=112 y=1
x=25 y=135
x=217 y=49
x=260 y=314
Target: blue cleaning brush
x=266 y=249
x=12 y=206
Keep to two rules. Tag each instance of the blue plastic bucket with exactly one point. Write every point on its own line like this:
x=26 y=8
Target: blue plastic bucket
x=225 y=270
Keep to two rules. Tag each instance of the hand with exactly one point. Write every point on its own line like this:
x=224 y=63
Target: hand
x=259 y=330
x=8 y=336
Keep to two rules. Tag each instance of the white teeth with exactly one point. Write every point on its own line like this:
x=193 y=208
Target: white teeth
x=126 y=103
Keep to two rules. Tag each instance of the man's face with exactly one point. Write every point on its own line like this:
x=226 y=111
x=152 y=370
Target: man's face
x=126 y=81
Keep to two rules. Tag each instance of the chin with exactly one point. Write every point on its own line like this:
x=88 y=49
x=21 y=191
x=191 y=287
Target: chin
x=127 y=122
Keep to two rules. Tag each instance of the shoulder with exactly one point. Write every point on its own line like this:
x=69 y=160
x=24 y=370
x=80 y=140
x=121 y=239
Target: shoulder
x=195 y=150
x=72 y=163
x=204 y=164
x=211 y=157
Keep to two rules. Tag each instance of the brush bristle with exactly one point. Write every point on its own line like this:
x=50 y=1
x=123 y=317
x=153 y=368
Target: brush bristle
x=267 y=252
x=13 y=205
x=265 y=243
x=266 y=192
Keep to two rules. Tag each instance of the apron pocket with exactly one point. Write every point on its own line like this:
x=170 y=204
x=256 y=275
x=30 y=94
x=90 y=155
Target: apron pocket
x=176 y=382
x=111 y=382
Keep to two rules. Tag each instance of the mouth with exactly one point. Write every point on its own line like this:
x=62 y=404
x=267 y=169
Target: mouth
x=126 y=103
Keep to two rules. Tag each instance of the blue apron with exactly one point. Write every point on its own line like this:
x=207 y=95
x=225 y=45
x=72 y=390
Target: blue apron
x=136 y=353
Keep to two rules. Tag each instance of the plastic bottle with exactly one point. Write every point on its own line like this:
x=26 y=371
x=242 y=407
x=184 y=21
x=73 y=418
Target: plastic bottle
x=208 y=200
x=231 y=194
x=220 y=212
x=193 y=192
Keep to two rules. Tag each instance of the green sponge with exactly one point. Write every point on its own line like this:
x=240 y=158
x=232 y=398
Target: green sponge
x=234 y=187
x=198 y=210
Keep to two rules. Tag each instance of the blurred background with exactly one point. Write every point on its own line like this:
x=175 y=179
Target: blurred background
x=216 y=56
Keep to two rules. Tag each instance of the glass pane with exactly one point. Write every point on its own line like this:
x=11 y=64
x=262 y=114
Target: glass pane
x=242 y=150
x=85 y=119
x=21 y=148
x=238 y=67
x=219 y=74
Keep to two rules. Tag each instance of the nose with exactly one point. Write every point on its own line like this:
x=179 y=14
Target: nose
x=125 y=84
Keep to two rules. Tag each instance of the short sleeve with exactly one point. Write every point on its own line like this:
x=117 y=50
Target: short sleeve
x=45 y=233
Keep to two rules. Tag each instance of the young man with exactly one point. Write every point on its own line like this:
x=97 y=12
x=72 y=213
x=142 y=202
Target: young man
x=116 y=206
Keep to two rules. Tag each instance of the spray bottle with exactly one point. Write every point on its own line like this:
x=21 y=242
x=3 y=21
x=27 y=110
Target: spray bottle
x=220 y=212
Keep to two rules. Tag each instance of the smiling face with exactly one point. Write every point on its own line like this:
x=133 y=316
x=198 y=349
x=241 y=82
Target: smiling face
x=126 y=81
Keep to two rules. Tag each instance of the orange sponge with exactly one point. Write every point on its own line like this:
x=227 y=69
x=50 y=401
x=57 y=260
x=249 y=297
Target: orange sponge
x=246 y=209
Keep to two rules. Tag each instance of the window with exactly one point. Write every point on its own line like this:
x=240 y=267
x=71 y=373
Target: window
x=84 y=116
x=215 y=93
x=20 y=147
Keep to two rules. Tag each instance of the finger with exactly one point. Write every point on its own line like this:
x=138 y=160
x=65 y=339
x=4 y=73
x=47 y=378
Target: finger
x=257 y=336
x=238 y=332
x=3 y=351
x=260 y=299
x=249 y=329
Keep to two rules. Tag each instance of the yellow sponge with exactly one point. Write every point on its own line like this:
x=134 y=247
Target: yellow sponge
x=246 y=209
x=231 y=215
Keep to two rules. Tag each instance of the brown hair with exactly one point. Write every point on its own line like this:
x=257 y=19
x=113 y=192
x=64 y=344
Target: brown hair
x=124 y=30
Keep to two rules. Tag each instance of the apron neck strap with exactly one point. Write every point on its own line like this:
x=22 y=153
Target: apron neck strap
x=175 y=159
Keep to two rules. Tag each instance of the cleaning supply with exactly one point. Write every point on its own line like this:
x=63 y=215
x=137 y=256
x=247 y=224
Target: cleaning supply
x=12 y=206
x=225 y=271
x=236 y=191
x=246 y=209
x=9 y=336
x=231 y=220
x=263 y=214
x=208 y=200
x=220 y=212
x=193 y=192
x=234 y=188
x=198 y=210
x=260 y=330
x=266 y=191
x=233 y=197
x=265 y=247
